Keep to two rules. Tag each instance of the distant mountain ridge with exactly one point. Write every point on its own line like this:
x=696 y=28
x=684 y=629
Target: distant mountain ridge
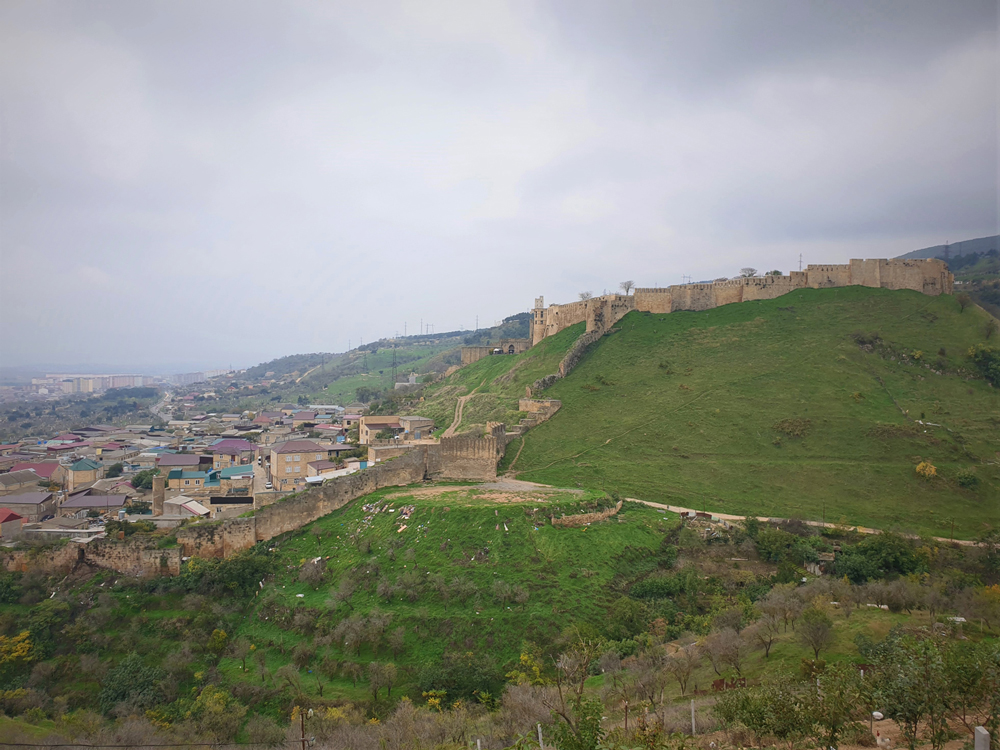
x=957 y=249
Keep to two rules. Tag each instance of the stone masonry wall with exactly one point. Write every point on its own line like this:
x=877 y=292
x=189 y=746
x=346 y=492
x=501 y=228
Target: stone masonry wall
x=134 y=557
x=928 y=276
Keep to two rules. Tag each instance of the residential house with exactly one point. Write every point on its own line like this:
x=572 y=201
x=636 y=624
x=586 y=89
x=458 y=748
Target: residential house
x=17 y=482
x=300 y=418
x=231 y=452
x=50 y=470
x=32 y=506
x=84 y=471
x=178 y=479
x=350 y=420
x=8 y=448
x=185 y=506
x=10 y=523
x=320 y=468
x=289 y=461
x=167 y=462
x=80 y=503
x=369 y=427
x=236 y=480
x=416 y=428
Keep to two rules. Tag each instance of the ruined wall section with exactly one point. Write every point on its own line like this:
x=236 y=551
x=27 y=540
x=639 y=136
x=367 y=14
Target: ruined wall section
x=466 y=457
x=138 y=557
x=769 y=287
x=603 y=312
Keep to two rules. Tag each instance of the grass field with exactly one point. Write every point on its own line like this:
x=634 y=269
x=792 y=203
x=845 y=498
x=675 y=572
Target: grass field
x=701 y=409
x=480 y=537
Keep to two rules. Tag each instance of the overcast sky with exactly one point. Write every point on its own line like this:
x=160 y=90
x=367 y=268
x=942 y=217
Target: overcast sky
x=198 y=183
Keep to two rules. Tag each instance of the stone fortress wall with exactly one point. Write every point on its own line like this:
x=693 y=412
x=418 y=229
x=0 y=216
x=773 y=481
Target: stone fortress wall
x=928 y=276
x=463 y=457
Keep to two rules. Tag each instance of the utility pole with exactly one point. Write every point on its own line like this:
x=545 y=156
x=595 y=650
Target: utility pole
x=800 y=261
x=421 y=326
x=686 y=279
x=394 y=365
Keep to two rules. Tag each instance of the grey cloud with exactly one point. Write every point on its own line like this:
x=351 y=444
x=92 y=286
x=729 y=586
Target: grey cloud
x=250 y=179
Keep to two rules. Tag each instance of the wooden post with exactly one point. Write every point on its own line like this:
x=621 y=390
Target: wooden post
x=692 y=717
x=540 y=745
x=302 y=725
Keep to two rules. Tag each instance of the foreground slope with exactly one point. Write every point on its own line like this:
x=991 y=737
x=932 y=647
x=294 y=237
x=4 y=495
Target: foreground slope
x=804 y=406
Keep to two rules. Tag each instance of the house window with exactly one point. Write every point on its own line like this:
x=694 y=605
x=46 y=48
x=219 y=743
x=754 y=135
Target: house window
x=298 y=469
x=297 y=457
x=187 y=481
x=288 y=459
x=318 y=457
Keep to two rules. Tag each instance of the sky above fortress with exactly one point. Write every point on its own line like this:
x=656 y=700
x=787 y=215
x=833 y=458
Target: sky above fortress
x=189 y=184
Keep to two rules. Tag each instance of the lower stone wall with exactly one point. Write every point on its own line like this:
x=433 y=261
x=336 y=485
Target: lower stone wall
x=583 y=519
x=133 y=557
x=463 y=457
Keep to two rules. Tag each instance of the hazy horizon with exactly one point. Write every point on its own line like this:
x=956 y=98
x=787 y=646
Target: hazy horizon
x=194 y=185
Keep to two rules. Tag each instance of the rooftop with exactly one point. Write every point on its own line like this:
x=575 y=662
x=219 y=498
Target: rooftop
x=28 y=498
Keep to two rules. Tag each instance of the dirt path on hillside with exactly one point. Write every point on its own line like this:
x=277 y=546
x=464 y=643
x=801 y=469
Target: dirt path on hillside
x=766 y=519
x=459 y=408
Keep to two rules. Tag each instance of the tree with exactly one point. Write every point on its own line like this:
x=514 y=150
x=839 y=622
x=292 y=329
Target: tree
x=584 y=296
x=815 y=630
x=143 y=480
x=627 y=286
x=397 y=641
x=774 y=273
x=748 y=272
x=963 y=300
x=239 y=649
x=682 y=664
x=765 y=632
x=115 y=470
x=837 y=700
x=726 y=648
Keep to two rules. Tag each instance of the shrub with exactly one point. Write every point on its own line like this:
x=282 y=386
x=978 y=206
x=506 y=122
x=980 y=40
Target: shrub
x=796 y=427
x=967 y=477
x=926 y=470
x=987 y=361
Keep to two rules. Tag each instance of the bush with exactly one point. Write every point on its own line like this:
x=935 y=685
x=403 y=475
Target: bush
x=793 y=427
x=987 y=361
x=131 y=683
x=926 y=470
x=967 y=477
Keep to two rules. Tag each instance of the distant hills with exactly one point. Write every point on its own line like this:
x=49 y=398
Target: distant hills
x=957 y=249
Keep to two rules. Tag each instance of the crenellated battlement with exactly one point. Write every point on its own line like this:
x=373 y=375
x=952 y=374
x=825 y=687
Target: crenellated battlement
x=928 y=276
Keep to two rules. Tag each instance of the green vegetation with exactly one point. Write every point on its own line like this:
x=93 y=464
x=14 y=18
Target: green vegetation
x=463 y=600
x=819 y=404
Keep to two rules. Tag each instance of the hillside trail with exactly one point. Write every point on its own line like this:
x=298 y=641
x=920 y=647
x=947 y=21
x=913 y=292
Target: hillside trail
x=459 y=407
x=766 y=519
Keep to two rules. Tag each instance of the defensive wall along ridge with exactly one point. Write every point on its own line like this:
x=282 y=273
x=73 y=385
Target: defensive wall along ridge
x=463 y=457
x=928 y=276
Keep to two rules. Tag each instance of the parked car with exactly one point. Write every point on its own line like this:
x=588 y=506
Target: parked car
x=268 y=486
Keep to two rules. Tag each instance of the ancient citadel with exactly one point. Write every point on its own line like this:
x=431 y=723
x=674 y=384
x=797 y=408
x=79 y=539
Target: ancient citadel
x=929 y=276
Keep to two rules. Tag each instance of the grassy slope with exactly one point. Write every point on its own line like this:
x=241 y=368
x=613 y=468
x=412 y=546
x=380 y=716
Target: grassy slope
x=498 y=382
x=410 y=358
x=444 y=533
x=703 y=435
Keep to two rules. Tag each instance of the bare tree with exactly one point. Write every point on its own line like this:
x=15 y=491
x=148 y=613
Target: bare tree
x=748 y=272
x=682 y=665
x=627 y=286
x=397 y=639
x=765 y=632
x=584 y=296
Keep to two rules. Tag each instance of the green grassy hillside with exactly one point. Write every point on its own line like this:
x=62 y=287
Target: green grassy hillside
x=498 y=383
x=804 y=406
